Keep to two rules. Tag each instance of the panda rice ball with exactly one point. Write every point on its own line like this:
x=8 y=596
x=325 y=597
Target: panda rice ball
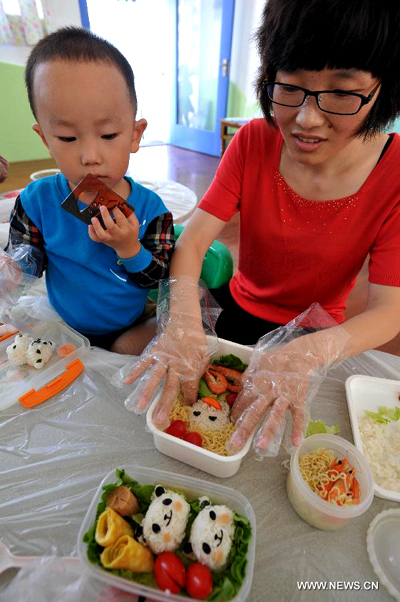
x=17 y=350
x=39 y=352
x=211 y=536
x=163 y=527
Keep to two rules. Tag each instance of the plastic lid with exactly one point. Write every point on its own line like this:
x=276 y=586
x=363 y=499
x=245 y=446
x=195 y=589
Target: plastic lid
x=383 y=545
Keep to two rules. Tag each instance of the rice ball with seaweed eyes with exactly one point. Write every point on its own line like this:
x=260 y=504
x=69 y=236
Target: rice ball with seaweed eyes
x=39 y=352
x=208 y=418
x=163 y=527
x=17 y=350
x=211 y=536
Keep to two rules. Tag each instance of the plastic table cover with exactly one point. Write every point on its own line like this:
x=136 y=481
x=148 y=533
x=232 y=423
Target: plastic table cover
x=53 y=457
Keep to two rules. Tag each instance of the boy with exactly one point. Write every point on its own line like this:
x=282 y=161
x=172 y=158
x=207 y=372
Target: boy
x=82 y=94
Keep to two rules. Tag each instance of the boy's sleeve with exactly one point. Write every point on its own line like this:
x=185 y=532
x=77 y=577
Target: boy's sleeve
x=159 y=239
x=25 y=242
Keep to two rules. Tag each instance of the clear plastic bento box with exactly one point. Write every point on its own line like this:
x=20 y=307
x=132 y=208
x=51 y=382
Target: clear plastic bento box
x=215 y=464
x=30 y=386
x=192 y=488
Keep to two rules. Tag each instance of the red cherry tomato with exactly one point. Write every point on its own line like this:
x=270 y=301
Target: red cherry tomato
x=169 y=572
x=194 y=438
x=177 y=428
x=199 y=582
x=230 y=398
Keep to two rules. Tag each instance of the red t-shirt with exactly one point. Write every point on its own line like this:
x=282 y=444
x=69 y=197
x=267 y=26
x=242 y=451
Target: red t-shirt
x=292 y=251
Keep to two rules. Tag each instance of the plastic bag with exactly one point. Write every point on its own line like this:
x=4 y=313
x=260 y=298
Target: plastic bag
x=180 y=352
x=54 y=579
x=283 y=377
x=17 y=269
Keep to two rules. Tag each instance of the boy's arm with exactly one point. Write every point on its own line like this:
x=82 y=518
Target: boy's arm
x=159 y=239
x=24 y=232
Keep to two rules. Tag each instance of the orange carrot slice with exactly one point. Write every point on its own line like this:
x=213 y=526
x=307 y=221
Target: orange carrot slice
x=66 y=349
x=212 y=402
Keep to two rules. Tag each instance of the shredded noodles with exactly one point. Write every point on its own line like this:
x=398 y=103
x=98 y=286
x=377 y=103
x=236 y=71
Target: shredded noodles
x=316 y=470
x=214 y=441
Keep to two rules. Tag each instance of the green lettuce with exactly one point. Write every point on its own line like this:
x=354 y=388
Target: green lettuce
x=315 y=427
x=231 y=361
x=384 y=415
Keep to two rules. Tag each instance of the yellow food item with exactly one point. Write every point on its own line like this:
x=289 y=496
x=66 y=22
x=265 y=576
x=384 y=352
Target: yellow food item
x=127 y=554
x=110 y=527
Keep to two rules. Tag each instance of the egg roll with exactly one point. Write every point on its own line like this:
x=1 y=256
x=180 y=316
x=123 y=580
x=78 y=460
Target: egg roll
x=110 y=527
x=128 y=554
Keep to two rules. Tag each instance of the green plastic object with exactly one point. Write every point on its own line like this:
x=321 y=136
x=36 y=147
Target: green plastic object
x=217 y=265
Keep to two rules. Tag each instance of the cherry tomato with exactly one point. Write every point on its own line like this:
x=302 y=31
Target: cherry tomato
x=177 y=428
x=199 y=582
x=230 y=398
x=194 y=438
x=169 y=572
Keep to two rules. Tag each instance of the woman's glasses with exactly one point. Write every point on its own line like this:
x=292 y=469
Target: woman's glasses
x=329 y=101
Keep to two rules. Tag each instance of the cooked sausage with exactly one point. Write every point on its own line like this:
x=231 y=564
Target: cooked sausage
x=123 y=501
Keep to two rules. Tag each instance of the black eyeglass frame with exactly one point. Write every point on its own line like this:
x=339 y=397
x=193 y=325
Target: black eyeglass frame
x=364 y=99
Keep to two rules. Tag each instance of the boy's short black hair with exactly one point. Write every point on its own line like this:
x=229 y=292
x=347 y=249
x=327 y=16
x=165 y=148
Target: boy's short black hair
x=80 y=45
x=337 y=34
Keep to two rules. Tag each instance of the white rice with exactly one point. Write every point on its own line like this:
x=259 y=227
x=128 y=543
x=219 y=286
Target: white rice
x=381 y=447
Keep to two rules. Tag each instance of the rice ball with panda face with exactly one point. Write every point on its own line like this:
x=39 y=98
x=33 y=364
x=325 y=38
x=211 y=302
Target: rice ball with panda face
x=17 y=350
x=163 y=527
x=208 y=418
x=39 y=352
x=211 y=535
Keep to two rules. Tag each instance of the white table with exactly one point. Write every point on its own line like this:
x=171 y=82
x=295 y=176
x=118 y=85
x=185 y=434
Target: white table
x=53 y=457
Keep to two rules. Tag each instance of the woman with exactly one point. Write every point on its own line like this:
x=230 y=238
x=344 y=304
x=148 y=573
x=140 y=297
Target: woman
x=317 y=188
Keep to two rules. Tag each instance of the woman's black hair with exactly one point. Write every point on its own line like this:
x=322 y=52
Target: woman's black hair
x=337 y=34
x=79 y=45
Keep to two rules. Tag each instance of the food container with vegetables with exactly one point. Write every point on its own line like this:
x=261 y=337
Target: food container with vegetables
x=207 y=423
x=169 y=537
x=38 y=362
x=329 y=482
x=374 y=408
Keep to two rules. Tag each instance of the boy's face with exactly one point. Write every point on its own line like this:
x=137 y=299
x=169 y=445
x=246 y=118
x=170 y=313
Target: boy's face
x=87 y=120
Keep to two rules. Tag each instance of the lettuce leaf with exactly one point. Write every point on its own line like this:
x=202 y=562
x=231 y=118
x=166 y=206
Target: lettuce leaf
x=384 y=415
x=315 y=427
x=231 y=361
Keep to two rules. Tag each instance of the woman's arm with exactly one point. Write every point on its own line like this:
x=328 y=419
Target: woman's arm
x=187 y=260
x=378 y=323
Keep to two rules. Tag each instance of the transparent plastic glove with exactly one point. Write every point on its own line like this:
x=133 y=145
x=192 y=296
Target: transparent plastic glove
x=178 y=355
x=284 y=374
x=16 y=269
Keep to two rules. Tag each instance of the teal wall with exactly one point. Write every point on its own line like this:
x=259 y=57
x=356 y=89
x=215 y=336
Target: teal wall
x=18 y=142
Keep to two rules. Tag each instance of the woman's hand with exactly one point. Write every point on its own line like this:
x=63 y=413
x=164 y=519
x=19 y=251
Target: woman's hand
x=283 y=378
x=181 y=354
x=121 y=234
x=181 y=350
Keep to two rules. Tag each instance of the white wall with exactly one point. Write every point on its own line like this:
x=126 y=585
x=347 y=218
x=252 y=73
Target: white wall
x=62 y=13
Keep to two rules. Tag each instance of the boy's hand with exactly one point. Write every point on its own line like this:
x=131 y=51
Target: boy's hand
x=121 y=234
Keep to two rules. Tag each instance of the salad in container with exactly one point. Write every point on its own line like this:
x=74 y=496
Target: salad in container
x=169 y=537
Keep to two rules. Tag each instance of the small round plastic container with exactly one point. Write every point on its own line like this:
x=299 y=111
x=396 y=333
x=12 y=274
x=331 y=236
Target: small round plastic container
x=383 y=545
x=316 y=511
x=219 y=466
x=192 y=488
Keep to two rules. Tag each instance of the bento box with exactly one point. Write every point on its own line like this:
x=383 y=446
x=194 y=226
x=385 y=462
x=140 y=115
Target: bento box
x=30 y=386
x=147 y=483
x=377 y=438
x=178 y=448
